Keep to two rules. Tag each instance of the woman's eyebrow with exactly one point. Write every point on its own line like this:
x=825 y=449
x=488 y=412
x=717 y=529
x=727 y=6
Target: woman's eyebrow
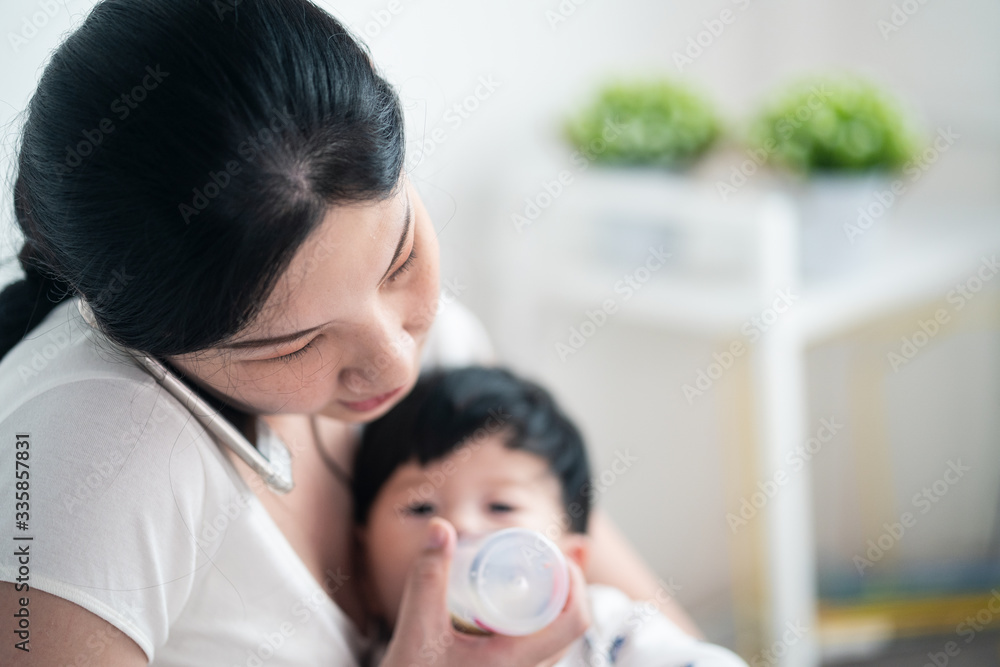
x=267 y=342
x=402 y=240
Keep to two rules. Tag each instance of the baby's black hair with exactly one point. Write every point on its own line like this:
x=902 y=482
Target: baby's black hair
x=447 y=408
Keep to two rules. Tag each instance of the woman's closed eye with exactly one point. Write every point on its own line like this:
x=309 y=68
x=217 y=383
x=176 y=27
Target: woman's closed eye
x=405 y=266
x=292 y=355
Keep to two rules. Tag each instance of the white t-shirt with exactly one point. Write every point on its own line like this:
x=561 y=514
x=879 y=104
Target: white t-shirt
x=626 y=633
x=135 y=514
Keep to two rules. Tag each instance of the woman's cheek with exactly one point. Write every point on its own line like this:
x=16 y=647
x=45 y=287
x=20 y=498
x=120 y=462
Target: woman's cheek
x=291 y=387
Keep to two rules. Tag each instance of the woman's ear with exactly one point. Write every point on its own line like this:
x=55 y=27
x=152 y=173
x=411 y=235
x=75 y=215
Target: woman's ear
x=576 y=546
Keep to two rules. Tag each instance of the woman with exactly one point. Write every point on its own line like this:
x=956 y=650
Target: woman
x=221 y=183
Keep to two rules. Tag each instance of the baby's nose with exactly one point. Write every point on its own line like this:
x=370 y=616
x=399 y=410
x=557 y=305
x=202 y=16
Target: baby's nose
x=468 y=523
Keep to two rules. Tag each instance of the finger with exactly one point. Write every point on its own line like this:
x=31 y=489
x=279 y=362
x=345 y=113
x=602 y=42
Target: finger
x=424 y=606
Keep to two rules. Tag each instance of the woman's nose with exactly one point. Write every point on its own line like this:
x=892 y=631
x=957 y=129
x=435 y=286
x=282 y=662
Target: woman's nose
x=383 y=363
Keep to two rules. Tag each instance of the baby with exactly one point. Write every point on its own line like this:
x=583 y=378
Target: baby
x=486 y=450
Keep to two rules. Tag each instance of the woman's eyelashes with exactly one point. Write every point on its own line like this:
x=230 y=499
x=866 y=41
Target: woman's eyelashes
x=405 y=266
x=292 y=355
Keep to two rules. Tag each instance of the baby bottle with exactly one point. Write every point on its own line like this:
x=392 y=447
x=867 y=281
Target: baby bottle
x=511 y=582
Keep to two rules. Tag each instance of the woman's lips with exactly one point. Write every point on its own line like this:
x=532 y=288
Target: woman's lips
x=371 y=403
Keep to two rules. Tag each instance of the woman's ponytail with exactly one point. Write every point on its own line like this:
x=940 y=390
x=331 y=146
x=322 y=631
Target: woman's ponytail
x=24 y=303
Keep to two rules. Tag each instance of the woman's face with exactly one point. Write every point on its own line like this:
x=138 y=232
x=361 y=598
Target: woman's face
x=342 y=332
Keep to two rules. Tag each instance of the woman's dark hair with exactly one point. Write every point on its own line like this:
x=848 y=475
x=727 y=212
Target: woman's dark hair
x=176 y=154
x=448 y=409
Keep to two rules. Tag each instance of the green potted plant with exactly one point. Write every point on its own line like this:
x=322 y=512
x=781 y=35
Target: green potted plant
x=845 y=143
x=653 y=122
x=635 y=142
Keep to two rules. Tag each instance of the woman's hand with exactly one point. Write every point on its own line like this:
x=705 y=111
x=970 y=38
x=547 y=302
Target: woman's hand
x=424 y=635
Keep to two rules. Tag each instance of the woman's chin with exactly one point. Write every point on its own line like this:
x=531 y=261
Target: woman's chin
x=340 y=412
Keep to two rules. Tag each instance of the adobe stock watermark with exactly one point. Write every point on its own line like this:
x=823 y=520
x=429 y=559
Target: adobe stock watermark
x=303 y=611
x=883 y=200
x=432 y=649
x=455 y=116
x=223 y=7
x=924 y=501
x=102 y=640
x=33 y=23
x=381 y=18
x=122 y=107
x=898 y=17
x=248 y=150
x=928 y=328
x=592 y=489
x=494 y=424
x=627 y=287
x=57 y=341
x=971 y=625
x=105 y=471
x=600 y=483
x=550 y=190
x=795 y=461
x=643 y=611
x=753 y=329
x=967 y=630
x=229 y=512
x=794 y=632
x=401 y=345
x=563 y=11
x=704 y=39
x=756 y=158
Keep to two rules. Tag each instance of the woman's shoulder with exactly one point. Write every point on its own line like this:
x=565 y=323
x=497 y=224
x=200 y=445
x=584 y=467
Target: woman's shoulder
x=63 y=350
x=87 y=405
x=99 y=424
x=122 y=487
x=99 y=427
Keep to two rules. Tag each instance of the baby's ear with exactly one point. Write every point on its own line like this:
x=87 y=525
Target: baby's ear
x=576 y=546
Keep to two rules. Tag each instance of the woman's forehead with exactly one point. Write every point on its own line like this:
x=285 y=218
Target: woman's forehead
x=337 y=267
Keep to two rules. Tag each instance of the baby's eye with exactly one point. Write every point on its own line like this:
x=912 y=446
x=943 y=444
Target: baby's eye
x=420 y=509
x=501 y=507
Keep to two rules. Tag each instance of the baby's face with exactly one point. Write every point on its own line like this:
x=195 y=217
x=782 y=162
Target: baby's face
x=481 y=487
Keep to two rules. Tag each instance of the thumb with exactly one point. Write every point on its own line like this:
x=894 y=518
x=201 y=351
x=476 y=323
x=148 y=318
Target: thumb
x=425 y=598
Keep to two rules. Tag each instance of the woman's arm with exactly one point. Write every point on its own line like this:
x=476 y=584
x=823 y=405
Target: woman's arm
x=614 y=562
x=63 y=633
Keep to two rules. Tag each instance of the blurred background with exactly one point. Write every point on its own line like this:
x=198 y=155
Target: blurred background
x=749 y=244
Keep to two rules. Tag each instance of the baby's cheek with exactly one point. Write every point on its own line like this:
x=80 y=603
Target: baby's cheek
x=390 y=568
x=549 y=524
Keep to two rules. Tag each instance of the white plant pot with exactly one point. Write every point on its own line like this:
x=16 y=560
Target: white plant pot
x=842 y=221
x=620 y=212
